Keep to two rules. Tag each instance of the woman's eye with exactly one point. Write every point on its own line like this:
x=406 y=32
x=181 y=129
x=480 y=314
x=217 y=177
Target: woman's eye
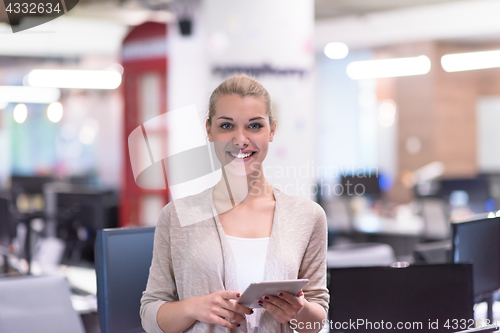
x=225 y=126
x=256 y=126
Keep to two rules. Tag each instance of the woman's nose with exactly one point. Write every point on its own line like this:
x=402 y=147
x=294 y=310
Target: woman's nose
x=240 y=139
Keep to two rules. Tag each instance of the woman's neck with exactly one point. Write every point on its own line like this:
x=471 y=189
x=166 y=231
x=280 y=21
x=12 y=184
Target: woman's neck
x=234 y=189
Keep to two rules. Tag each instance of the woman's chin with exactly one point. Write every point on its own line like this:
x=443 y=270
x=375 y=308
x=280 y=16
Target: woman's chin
x=240 y=168
x=237 y=167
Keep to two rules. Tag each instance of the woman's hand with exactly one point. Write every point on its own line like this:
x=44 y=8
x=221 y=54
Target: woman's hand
x=220 y=308
x=283 y=307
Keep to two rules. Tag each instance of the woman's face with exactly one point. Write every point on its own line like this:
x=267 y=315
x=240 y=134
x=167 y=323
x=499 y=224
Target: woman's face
x=241 y=132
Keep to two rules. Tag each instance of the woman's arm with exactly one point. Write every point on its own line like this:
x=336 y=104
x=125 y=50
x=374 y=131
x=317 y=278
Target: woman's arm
x=304 y=316
x=311 y=313
x=161 y=309
x=214 y=308
x=313 y=267
x=173 y=317
x=306 y=311
x=161 y=287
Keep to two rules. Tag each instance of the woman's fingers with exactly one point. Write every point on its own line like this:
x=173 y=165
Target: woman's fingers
x=228 y=307
x=279 y=302
x=230 y=294
x=231 y=301
x=278 y=313
x=223 y=322
x=221 y=308
x=225 y=313
x=285 y=306
x=240 y=308
x=292 y=299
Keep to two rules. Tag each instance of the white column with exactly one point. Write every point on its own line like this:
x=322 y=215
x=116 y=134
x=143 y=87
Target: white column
x=272 y=36
x=188 y=67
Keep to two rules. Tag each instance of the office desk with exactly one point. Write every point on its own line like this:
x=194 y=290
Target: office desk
x=374 y=224
x=83 y=282
x=402 y=235
x=480 y=310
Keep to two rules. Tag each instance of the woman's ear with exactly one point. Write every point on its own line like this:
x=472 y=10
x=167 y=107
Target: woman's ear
x=273 y=130
x=207 y=125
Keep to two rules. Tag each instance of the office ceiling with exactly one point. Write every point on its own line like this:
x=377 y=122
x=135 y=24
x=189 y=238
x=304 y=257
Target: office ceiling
x=328 y=9
x=324 y=9
x=342 y=20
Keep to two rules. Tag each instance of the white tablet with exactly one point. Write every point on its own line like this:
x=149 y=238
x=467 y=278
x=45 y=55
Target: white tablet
x=256 y=290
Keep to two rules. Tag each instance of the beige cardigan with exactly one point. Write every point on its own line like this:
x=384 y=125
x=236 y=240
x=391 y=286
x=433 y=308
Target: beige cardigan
x=196 y=259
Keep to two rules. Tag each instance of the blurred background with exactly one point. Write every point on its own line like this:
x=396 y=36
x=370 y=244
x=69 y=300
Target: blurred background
x=388 y=115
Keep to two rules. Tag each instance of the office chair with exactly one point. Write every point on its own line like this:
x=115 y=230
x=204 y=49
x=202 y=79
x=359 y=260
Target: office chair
x=123 y=258
x=39 y=304
x=433 y=252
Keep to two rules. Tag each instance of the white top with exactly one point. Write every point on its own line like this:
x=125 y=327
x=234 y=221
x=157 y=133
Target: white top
x=250 y=256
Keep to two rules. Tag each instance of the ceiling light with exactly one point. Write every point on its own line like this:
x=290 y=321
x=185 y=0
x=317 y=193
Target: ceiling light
x=55 y=112
x=88 y=132
x=78 y=79
x=115 y=67
x=336 y=50
x=20 y=94
x=20 y=113
x=470 y=61
x=372 y=69
x=387 y=113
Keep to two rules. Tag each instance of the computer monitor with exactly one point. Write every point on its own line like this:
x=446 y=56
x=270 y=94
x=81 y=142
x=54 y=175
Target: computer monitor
x=123 y=259
x=79 y=216
x=29 y=184
x=477 y=189
x=418 y=296
x=478 y=242
x=353 y=185
x=6 y=223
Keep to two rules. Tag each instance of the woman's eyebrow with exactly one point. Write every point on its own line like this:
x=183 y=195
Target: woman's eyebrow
x=252 y=119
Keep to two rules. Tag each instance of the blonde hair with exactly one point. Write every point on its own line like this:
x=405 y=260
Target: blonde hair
x=243 y=86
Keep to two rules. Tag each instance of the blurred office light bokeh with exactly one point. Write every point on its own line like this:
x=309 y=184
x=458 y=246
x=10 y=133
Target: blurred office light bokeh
x=89 y=39
x=422 y=142
x=335 y=117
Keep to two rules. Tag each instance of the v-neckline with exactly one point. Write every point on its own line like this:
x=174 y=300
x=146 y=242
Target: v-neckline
x=273 y=246
x=219 y=224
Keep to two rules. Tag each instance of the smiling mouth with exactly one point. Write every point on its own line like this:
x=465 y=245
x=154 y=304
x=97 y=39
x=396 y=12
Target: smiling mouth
x=241 y=155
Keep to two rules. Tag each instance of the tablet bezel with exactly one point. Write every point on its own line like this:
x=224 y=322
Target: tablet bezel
x=256 y=290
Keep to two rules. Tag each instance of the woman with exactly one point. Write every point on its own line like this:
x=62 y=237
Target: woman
x=210 y=246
